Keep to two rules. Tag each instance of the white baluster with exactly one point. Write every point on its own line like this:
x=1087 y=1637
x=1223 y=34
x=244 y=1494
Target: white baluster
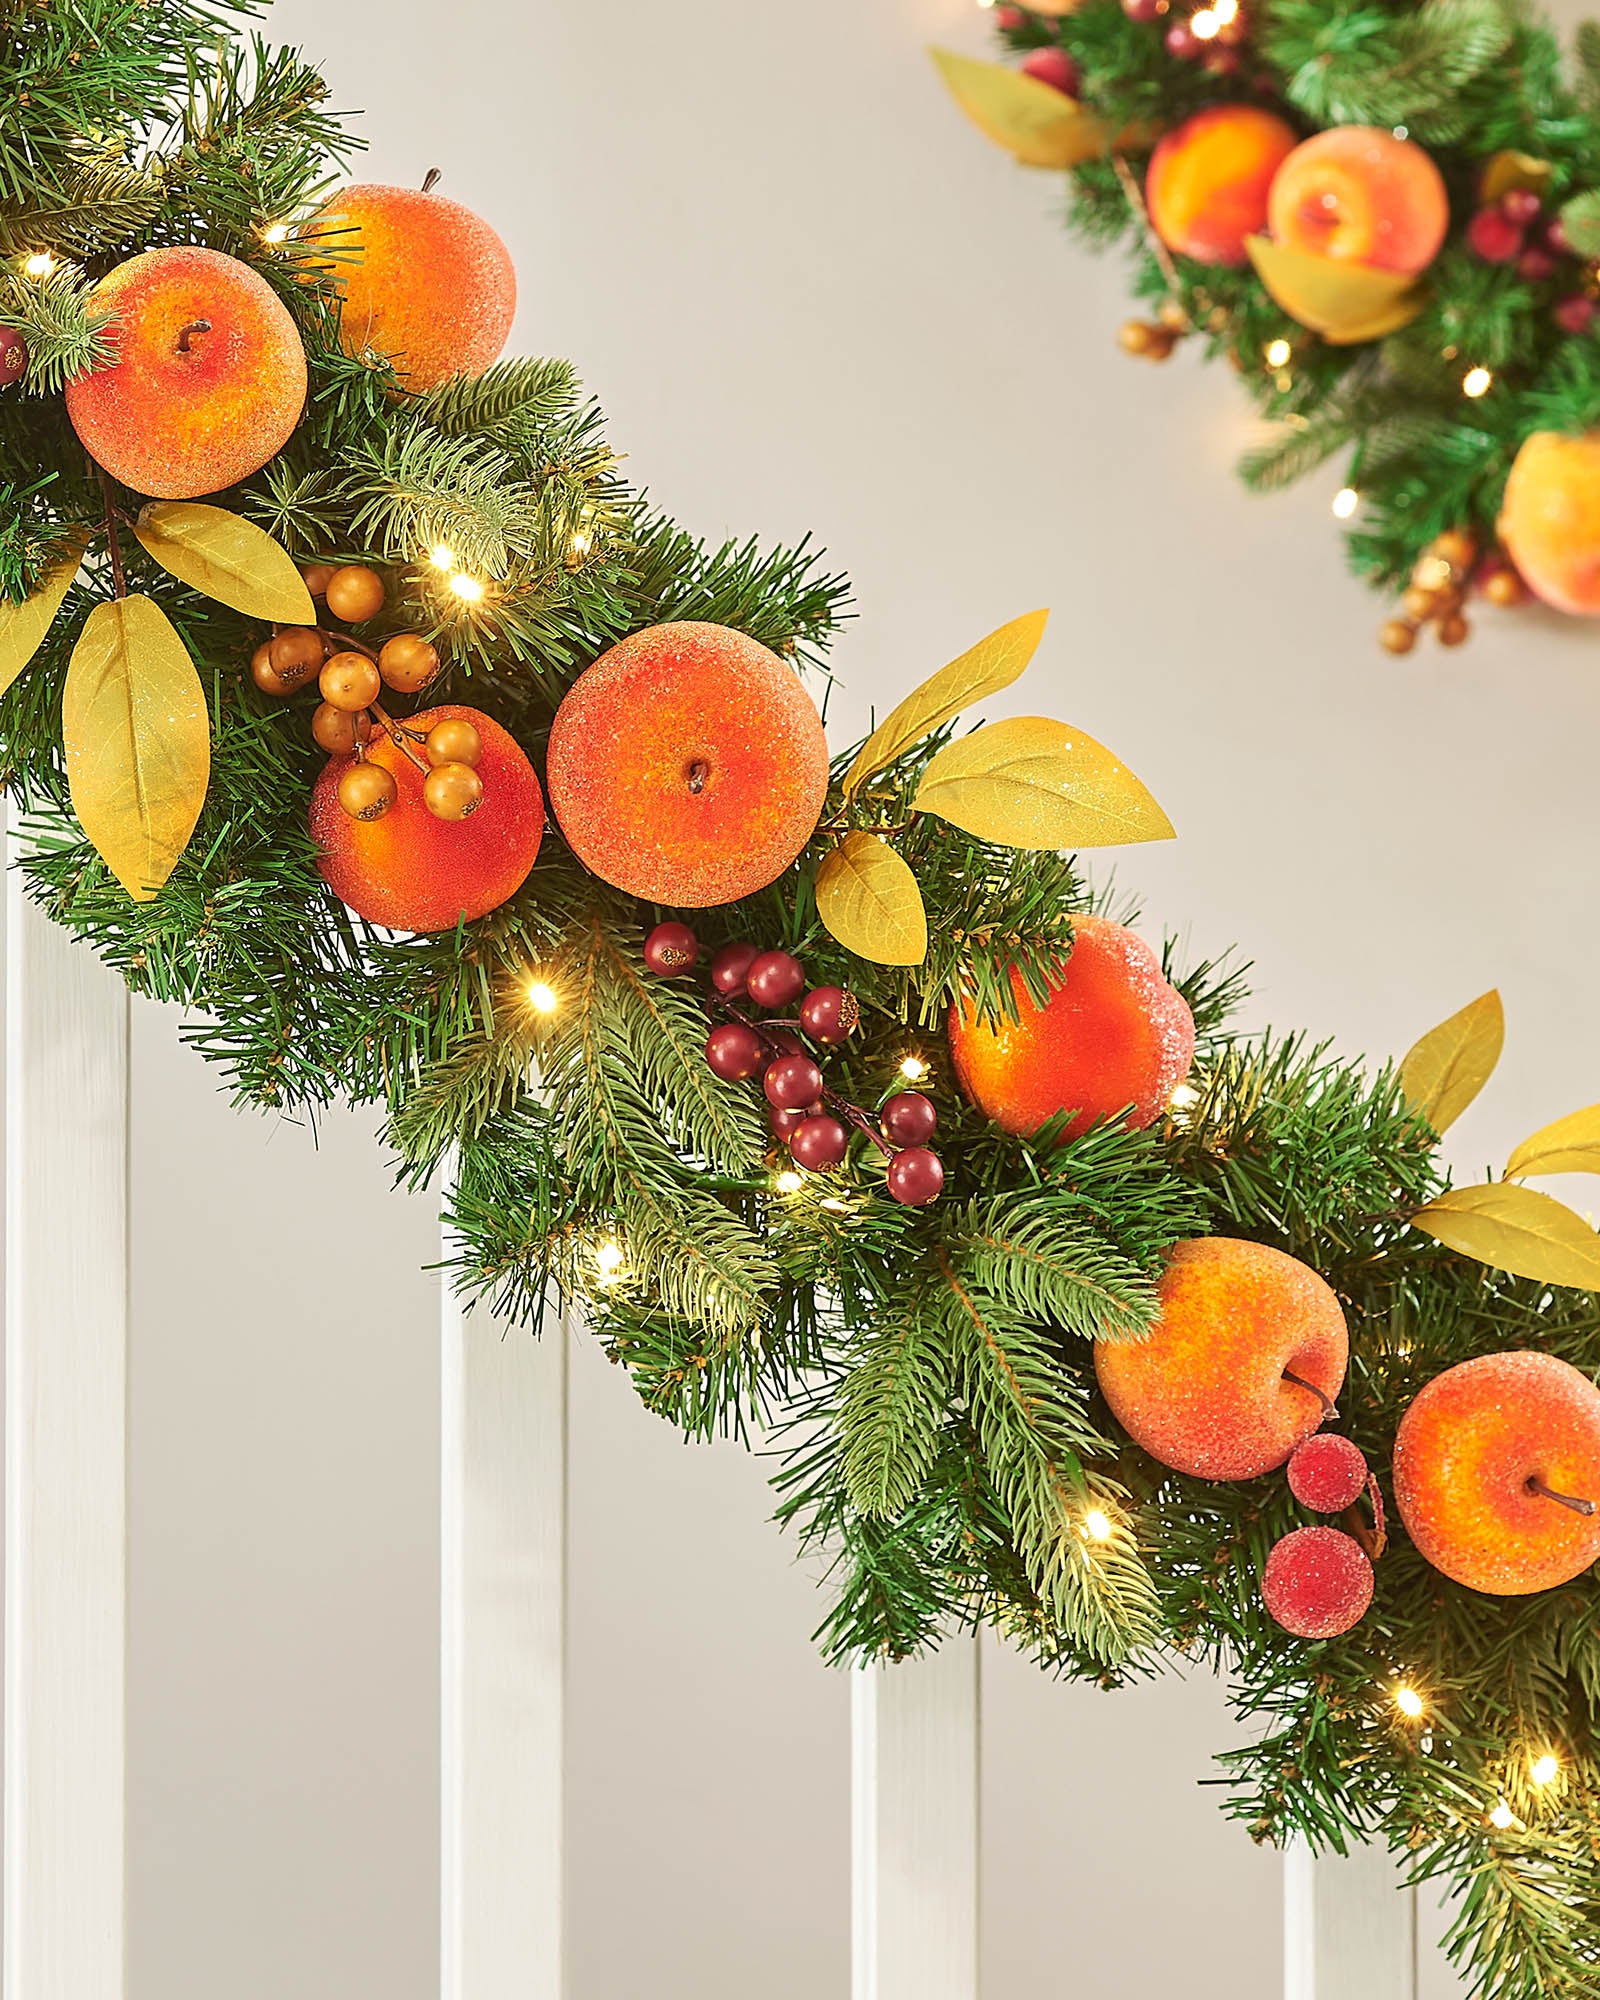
x=1349 y=1929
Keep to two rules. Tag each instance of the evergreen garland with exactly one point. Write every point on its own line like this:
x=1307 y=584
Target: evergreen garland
x=923 y=1375
x=1484 y=87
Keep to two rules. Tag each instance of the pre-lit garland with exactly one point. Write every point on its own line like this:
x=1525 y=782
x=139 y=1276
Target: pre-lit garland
x=1385 y=215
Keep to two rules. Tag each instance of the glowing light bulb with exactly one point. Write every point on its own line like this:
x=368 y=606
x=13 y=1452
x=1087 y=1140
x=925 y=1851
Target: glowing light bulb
x=582 y=542
x=1409 y=1702
x=1206 y=24
x=1502 y=1816
x=1476 y=382
x=467 y=588
x=442 y=556
x=913 y=1069
x=1345 y=502
x=275 y=233
x=1544 y=1770
x=1277 y=353
x=789 y=1182
x=1226 y=11
x=609 y=1259
x=542 y=997
x=39 y=265
x=835 y=1206
x=1097 y=1525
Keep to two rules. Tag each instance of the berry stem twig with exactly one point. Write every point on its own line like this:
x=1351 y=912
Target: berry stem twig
x=119 y=580
x=1572 y=1500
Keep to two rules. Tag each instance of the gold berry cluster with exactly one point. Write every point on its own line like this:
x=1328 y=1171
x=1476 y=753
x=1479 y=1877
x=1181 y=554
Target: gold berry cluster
x=1154 y=339
x=350 y=677
x=1440 y=579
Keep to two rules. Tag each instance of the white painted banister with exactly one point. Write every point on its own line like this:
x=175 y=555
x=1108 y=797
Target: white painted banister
x=1349 y=1929
x=503 y=1489
x=915 y=1827
x=66 y=1465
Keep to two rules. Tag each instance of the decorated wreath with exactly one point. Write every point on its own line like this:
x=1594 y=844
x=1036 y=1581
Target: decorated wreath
x=359 y=707
x=1386 y=215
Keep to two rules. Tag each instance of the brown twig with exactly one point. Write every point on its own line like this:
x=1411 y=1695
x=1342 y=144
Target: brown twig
x=1158 y=249
x=119 y=580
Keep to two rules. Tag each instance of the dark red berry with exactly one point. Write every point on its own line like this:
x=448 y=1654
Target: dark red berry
x=1183 y=42
x=1009 y=19
x=671 y=949
x=829 y=1014
x=775 y=979
x=1222 y=62
x=916 y=1176
x=1556 y=239
x=818 y=1143
x=1536 y=264
x=1317 y=1582
x=13 y=355
x=1493 y=236
x=792 y=1081
x=909 y=1118
x=1327 y=1473
x=1521 y=206
x=735 y=1052
x=1143 y=10
x=730 y=966
x=785 y=1124
x=1574 y=314
x=1056 y=68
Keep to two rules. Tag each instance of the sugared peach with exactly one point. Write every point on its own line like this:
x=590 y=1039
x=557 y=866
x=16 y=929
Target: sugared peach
x=410 y=871
x=687 y=765
x=1114 y=1036
x=1550 y=519
x=433 y=288
x=1211 y=1390
x=1207 y=185
x=209 y=377
x=1495 y=1463
x=1358 y=192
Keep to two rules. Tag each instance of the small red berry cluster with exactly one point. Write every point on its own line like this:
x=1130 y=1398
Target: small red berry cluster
x=1516 y=230
x=1318 y=1582
x=814 y=1122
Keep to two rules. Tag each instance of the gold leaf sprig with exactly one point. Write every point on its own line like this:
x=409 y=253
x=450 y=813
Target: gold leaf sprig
x=1037 y=124
x=1502 y=1223
x=227 y=558
x=23 y=626
x=1026 y=783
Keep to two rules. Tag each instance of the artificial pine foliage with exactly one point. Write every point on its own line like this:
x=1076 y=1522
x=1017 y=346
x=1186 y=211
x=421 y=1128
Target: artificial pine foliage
x=1486 y=89
x=922 y=1375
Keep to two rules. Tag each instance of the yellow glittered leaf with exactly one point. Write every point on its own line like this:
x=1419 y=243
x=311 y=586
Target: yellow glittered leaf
x=1570 y=1146
x=1507 y=170
x=1342 y=301
x=138 y=741
x=1516 y=1229
x=1445 y=1071
x=226 y=557
x=984 y=669
x=23 y=626
x=869 y=900
x=1032 y=782
x=1036 y=123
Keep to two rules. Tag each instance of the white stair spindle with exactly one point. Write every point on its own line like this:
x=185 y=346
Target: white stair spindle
x=66 y=1465
x=1349 y=1929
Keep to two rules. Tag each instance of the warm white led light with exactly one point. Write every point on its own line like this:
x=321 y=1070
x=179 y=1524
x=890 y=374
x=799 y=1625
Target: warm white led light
x=1408 y=1701
x=442 y=556
x=913 y=1069
x=609 y=1259
x=789 y=1182
x=39 y=265
x=1502 y=1816
x=467 y=588
x=542 y=997
x=1544 y=1769
x=1205 y=25
x=275 y=233
x=1097 y=1525
x=1345 y=502
x=1476 y=382
x=1278 y=353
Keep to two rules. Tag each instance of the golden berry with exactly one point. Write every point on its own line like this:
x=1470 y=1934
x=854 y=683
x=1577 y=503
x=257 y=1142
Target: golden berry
x=339 y=730
x=317 y=578
x=297 y=654
x=366 y=791
x=454 y=741
x=265 y=674
x=407 y=662
x=354 y=593
x=1398 y=636
x=350 y=681
x=452 y=791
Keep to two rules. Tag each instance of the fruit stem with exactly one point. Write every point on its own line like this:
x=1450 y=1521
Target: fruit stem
x=402 y=739
x=119 y=581
x=194 y=326
x=1329 y=1408
x=430 y=180
x=1572 y=1500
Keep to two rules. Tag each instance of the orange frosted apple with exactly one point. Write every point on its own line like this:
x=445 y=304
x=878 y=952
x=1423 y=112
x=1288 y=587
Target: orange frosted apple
x=432 y=289
x=1207 y=184
x=1114 y=1036
x=209 y=377
x=1358 y=192
x=1550 y=519
x=411 y=871
x=1497 y=1472
x=1235 y=1371
x=687 y=765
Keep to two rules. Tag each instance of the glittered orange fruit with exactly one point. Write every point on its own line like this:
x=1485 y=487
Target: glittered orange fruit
x=412 y=872
x=688 y=765
x=1114 y=1036
x=1550 y=519
x=432 y=287
x=209 y=377
x=1364 y=194
x=1494 y=1463
x=1210 y=1391
x=1208 y=180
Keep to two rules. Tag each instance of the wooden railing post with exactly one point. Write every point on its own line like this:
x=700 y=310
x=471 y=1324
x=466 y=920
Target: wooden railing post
x=66 y=1322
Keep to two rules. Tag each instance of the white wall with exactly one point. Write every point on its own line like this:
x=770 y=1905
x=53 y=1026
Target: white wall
x=810 y=300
